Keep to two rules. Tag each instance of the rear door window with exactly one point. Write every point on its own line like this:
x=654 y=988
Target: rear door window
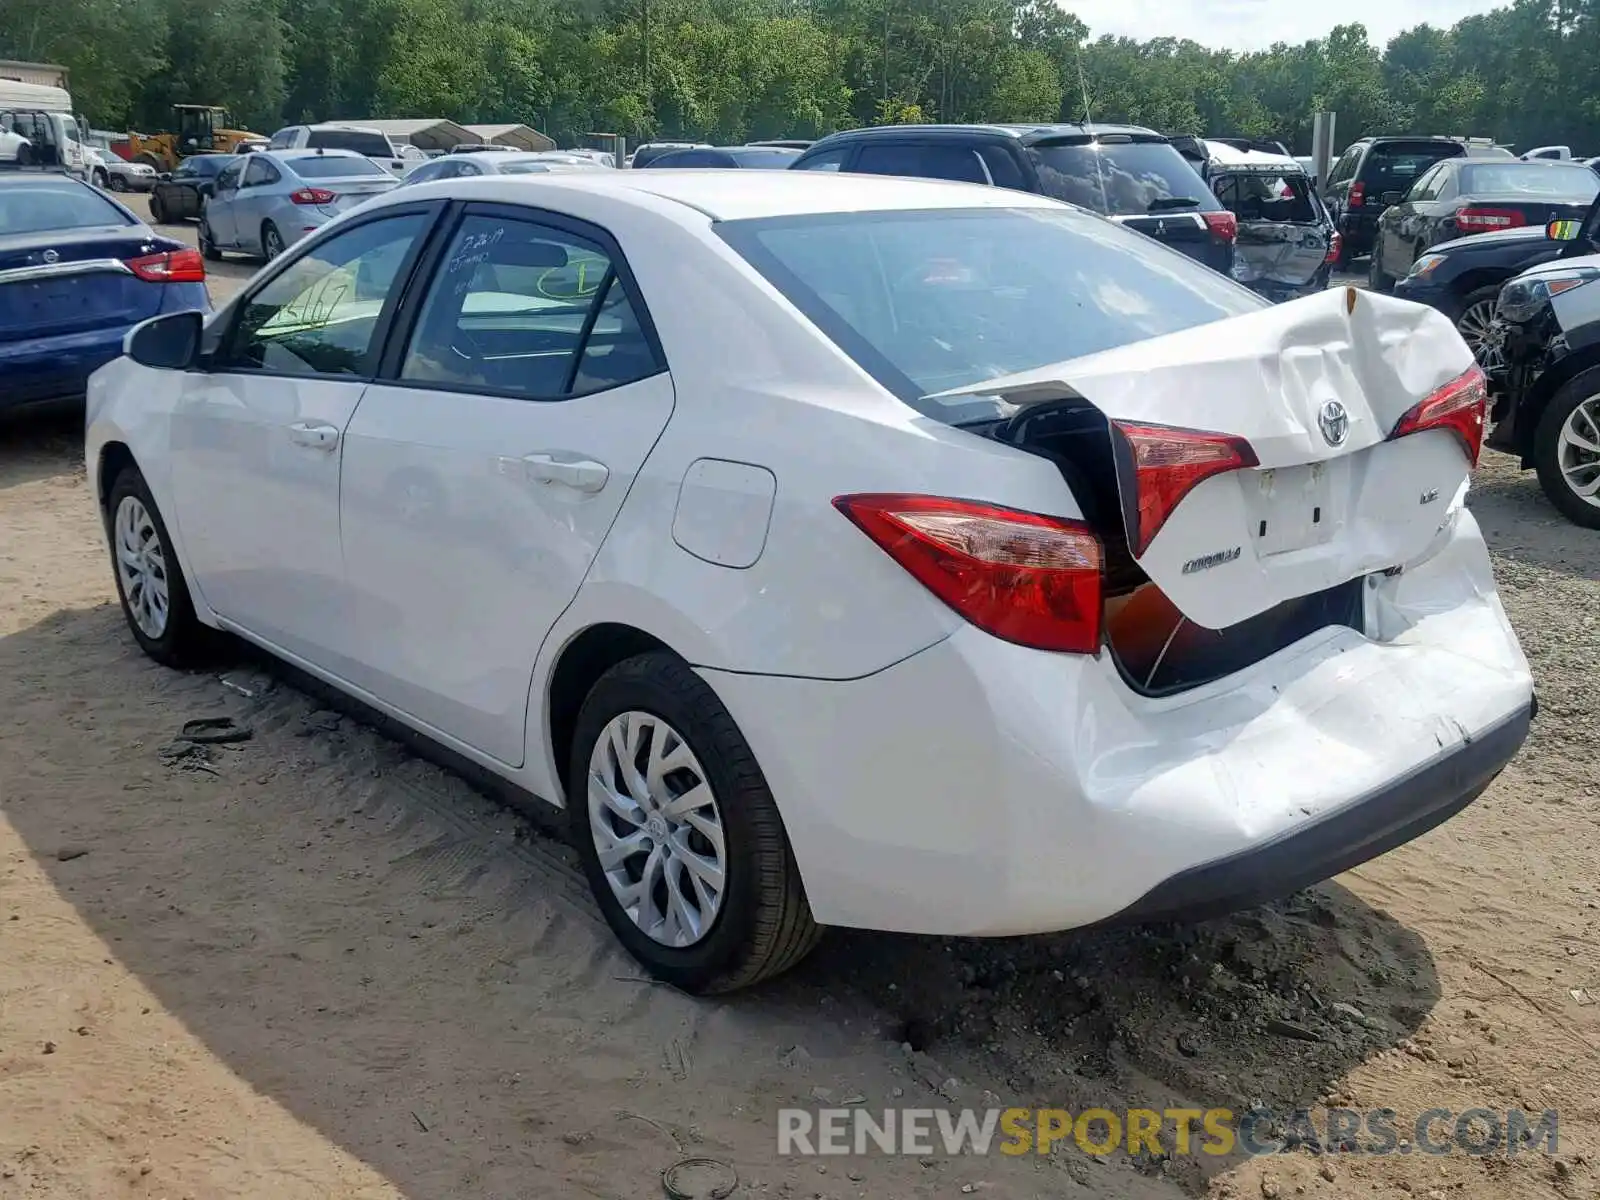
x=1395 y=166
x=923 y=161
x=1121 y=178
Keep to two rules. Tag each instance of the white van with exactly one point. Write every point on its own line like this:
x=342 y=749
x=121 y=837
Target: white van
x=38 y=128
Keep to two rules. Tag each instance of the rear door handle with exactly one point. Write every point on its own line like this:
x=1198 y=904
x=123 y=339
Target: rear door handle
x=569 y=470
x=317 y=435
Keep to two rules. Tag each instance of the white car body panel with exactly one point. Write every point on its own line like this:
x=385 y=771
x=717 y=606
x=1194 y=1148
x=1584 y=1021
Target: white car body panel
x=931 y=778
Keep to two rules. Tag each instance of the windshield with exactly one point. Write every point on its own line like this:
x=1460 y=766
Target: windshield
x=46 y=205
x=373 y=144
x=316 y=166
x=1574 y=183
x=930 y=300
x=1122 y=179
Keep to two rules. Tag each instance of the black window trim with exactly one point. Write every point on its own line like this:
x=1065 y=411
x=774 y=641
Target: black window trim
x=402 y=329
x=404 y=276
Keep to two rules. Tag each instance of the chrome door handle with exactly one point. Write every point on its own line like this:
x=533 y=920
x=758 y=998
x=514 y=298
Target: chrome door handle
x=315 y=434
x=583 y=474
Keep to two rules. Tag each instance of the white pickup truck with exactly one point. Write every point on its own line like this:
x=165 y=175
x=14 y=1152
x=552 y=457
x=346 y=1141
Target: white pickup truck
x=38 y=128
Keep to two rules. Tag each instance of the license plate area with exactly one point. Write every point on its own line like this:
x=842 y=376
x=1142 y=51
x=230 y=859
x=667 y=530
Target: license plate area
x=1291 y=508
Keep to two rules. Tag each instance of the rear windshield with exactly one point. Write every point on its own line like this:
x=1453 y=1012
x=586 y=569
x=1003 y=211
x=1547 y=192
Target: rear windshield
x=1257 y=196
x=316 y=166
x=1530 y=179
x=47 y=205
x=1393 y=168
x=374 y=144
x=930 y=300
x=1122 y=178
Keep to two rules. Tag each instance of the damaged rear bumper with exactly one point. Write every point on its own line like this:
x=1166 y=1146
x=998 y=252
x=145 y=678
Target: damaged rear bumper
x=980 y=788
x=1372 y=825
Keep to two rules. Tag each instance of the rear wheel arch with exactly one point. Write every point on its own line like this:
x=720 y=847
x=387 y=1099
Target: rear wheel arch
x=581 y=663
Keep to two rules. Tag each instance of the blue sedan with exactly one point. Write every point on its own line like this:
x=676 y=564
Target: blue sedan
x=77 y=271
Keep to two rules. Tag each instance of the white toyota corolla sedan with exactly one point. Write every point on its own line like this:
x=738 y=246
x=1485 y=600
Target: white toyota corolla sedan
x=839 y=550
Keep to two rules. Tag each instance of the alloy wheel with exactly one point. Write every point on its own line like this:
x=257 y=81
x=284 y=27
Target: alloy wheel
x=1476 y=327
x=657 y=829
x=1578 y=451
x=142 y=566
x=271 y=242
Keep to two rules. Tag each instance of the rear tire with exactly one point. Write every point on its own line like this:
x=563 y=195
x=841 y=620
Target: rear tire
x=271 y=241
x=158 y=211
x=1572 y=415
x=100 y=180
x=150 y=583
x=759 y=923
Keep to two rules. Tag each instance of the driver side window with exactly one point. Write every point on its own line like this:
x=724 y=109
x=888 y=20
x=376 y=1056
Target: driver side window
x=515 y=306
x=320 y=315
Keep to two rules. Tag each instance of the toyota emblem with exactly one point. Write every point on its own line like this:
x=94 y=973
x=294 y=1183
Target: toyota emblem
x=50 y=256
x=1334 y=422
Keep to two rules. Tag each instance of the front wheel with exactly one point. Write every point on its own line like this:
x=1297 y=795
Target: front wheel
x=1475 y=324
x=117 y=183
x=208 y=243
x=150 y=583
x=1566 y=449
x=680 y=837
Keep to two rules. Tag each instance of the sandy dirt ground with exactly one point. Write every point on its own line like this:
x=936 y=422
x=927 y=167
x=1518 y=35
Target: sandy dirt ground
x=318 y=965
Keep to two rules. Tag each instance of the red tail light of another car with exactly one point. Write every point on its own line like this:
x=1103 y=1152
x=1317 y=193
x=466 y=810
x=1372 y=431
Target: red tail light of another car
x=1224 y=224
x=1165 y=465
x=174 y=266
x=1459 y=406
x=1358 y=195
x=1476 y=219
x=1025 y=578
x=1335 y=244
x=310 y=195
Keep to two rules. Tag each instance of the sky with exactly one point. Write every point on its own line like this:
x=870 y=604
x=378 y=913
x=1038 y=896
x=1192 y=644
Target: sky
x=1256 y=24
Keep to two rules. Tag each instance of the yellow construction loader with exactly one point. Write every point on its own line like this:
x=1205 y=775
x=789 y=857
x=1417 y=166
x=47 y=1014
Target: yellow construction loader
x=201 y=129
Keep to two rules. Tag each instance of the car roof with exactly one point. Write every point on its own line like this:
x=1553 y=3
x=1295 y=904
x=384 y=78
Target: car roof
x=734 y=195
x=1020 y=132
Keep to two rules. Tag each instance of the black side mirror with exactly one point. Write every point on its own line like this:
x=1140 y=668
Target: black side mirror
x=165 y=177
x=1391 y=198
x=169 y=343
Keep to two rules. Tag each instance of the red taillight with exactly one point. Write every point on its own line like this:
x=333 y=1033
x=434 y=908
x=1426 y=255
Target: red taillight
x=1358 y=194
x=1458 y=406
x=1224 y=224
x=1167 y=464
x=1477 y=219
x=313 y=196
x=1335 y=245
x=1025 y=578
x=176 y=266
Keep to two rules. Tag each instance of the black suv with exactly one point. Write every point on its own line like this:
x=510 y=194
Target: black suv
x=1365 y=172
x=1130 y=174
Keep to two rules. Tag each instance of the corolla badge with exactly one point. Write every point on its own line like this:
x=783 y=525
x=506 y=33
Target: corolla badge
x=1334 y=422
x=50 y=256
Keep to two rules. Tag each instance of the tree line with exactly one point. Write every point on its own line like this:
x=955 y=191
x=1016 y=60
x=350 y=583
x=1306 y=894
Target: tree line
x=734 y=70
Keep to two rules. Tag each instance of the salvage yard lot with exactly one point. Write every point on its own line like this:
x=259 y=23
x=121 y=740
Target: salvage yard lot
x=315 y=964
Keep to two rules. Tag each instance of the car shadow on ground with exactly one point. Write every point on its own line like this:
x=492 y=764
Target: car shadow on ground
x=339 y=921
x=1520 y=523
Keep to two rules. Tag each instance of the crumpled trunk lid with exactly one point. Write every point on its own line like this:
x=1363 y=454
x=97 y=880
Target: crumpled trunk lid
x=1315 y=387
